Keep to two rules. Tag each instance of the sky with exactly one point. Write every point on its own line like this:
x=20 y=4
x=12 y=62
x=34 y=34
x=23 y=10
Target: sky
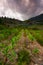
x=21 y=9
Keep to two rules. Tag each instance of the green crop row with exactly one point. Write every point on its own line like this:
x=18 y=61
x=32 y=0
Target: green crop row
x=38 y=34
x=15 y=39
x=8 y=51
x=30 y=36
x=4 y=34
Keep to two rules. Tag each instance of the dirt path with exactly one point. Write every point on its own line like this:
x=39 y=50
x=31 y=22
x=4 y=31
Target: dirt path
x=20 y=44
x=37 y=59
x=24 y=43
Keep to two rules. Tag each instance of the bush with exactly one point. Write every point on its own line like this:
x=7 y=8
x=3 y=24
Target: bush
x=23 y=57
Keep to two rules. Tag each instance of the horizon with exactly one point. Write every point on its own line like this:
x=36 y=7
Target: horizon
x=19 y=19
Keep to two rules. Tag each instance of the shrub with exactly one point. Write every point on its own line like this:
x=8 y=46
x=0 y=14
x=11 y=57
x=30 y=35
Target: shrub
x=23 y=57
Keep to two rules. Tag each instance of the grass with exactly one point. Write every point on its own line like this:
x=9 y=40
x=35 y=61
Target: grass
x=6 y=32
x=38 y=35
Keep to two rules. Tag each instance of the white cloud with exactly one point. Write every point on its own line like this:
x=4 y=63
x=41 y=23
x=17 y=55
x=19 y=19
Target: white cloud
x=6 y=11
x=11 y=14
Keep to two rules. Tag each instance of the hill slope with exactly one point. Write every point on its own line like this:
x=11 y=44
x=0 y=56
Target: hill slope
x=37 y=18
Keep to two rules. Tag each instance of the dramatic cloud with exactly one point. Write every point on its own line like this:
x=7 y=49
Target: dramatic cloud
x=21 y=9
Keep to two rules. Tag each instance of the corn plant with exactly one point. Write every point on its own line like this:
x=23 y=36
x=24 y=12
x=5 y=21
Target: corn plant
x=30 y=35
x=38 y=36
x=15 y=39
x=5 y=52
x=35 y=50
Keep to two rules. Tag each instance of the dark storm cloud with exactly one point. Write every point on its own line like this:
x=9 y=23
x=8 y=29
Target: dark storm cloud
x=23 y=8
x=27 y=8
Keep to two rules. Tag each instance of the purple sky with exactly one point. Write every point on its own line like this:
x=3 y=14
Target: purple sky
x=21 y=9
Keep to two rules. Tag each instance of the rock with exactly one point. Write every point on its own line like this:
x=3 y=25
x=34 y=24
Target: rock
x=36 y=64
x=40 y=59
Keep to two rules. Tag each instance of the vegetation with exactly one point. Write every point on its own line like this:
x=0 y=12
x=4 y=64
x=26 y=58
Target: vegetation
x=14 y=35
x=35 y=51
x=30 y=35
x=23 y=58
x=38 y=35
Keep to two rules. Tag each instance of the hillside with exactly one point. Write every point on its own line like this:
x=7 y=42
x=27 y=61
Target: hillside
x=36 y=20
x=15 y=22
x=9 y=21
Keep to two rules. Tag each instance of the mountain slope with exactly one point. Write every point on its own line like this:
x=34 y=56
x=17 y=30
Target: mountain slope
x=37 y=18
